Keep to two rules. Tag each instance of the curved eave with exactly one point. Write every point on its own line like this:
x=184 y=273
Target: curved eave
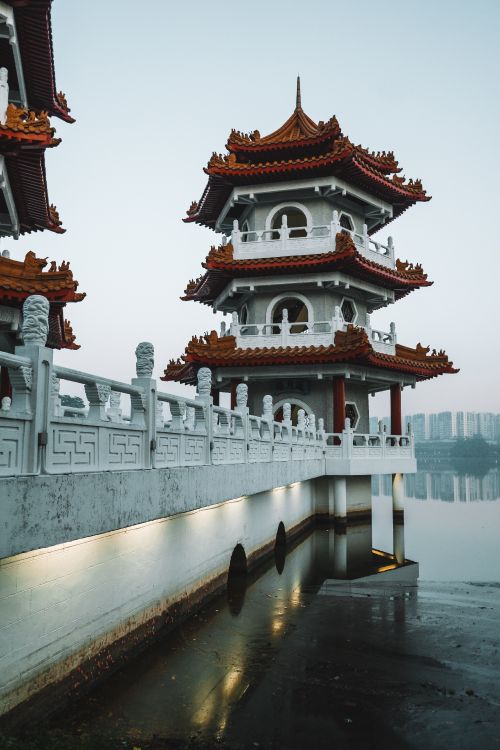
x=28 y=182
x=224 y=353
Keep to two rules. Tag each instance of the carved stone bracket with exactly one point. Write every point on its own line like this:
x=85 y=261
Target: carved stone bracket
x=98 y=395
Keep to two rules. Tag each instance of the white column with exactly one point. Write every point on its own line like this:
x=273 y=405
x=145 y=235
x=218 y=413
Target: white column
x=340 y=497
x=398 y=518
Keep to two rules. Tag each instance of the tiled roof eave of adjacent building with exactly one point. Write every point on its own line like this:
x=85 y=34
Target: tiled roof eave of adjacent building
x=19 y=279
x=28 y=182
x=34 y=29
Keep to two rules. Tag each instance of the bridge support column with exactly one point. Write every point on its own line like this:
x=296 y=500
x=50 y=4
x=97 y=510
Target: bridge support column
x=398 y=517
x=340 y=498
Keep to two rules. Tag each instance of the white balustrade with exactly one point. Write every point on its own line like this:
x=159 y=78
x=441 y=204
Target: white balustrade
x=317 y=333
x=160 y=429
x=307 y=240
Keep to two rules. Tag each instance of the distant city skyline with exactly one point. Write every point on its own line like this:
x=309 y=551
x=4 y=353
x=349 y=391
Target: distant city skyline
x=447 y=425
x=147 y=123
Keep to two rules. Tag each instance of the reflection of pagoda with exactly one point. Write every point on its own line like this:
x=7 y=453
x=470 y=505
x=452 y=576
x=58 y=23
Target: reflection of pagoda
x=301 y=274
x=28 y=96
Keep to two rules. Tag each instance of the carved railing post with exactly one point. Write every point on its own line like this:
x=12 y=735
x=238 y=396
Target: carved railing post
x=347 y=435
x=144 y=405
x=31 y=386
x=114 y=412
x=242 y=408
x=390 y=246
x=285 y=327
x=203 y=395
x=57 y=409
x=334 y=229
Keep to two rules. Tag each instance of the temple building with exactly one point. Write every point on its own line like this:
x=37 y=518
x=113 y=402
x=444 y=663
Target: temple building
x=301 y=274
x=28 y=98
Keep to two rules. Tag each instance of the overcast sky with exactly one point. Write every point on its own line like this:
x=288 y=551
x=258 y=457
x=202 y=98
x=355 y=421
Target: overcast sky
x=156 y=87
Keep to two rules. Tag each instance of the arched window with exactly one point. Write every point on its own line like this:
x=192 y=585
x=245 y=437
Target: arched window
x=296 y=221
x=278 y=415
x=297 y=314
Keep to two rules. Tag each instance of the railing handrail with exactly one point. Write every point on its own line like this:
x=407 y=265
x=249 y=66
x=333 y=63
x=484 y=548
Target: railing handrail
x=14 y=360
x=85 y=378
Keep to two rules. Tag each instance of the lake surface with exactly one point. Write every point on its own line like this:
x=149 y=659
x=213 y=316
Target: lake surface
x=291 y=662
x=452 y=523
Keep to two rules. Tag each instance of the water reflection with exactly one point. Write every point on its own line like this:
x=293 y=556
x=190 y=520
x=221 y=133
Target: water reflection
x=448 y=486
x=210 y=662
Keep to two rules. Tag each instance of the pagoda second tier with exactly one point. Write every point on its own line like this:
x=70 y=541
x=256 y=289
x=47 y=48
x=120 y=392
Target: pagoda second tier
x=351 y=348
x=226 y=275
x=301 y=151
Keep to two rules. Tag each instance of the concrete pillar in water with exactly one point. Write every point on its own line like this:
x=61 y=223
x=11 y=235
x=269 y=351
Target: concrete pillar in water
x=340 y=495
x=398 y=517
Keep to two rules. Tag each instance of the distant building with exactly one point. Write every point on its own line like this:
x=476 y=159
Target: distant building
x=460 y=424
x=445 y=425
x=419 y=426
x=433 y=427
x=472 y=424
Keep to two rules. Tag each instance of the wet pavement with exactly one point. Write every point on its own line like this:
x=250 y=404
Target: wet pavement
x=295 y=657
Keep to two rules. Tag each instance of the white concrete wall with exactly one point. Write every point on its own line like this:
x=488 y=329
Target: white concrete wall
x=62 y=605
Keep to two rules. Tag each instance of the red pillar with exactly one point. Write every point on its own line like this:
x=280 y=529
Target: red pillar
x=396 y=422
x=338 y=403
x=5 y=386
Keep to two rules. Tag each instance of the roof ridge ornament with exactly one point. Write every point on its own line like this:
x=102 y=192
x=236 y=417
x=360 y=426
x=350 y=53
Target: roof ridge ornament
x=298 y=98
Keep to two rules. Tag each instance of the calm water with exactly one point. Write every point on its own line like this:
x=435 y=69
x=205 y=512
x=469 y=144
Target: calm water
x=452 y=524
x=281 y=663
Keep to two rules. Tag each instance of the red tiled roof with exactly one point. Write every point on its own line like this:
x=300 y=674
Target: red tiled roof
x=301 y=148
x=222 y=267
x=351 y=346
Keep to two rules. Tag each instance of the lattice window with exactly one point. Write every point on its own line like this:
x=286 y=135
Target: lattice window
x=346 y=223
x=348 y=309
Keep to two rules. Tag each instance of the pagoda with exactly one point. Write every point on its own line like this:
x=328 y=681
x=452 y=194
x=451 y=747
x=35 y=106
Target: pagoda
x=28 y=98
x=301 y=274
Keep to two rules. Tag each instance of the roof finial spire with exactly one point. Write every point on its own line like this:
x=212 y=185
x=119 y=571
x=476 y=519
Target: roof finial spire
x=298 y=102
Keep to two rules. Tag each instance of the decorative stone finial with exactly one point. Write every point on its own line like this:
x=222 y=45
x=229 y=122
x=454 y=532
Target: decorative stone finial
x=347 y=423
x=321 y=426
x=35 y=324
x=4 y=94
x=301 y=419
x=6 y=402
x=222 y=329
x=312 y=422
x=241 y=395
x=5 y=253
x=287 y=413
x=284 y=315
x=204 y=381
x=145 y=359
x=267 y=404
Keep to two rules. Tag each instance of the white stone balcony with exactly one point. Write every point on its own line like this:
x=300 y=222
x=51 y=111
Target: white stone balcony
x=307 y=240
x=317 y=333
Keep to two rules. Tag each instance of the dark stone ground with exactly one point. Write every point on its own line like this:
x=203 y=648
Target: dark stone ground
x=371 y=667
